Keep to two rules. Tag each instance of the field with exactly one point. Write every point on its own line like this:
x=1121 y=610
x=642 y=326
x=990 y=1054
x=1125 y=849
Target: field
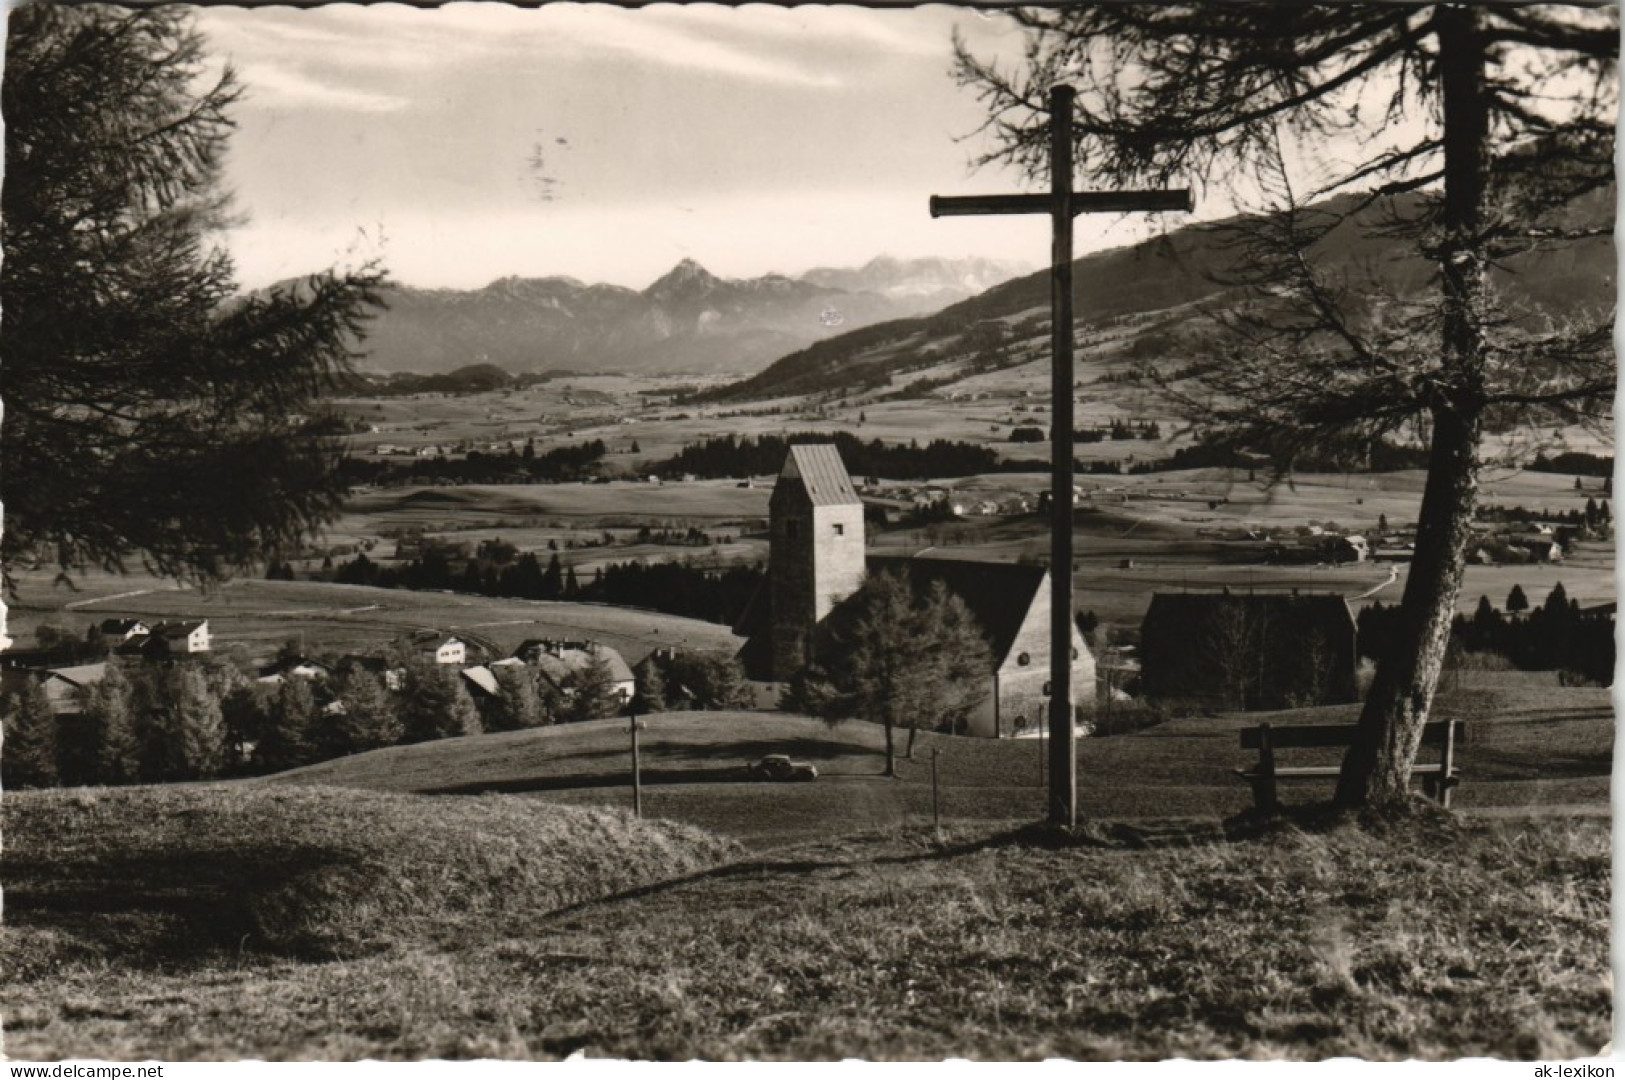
x=1135 y=536
x=1530 y=743
x=262 y=615
x=295 y=918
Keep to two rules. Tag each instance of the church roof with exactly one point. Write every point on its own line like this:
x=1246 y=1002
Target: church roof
x=819 y=468
x=999 y=595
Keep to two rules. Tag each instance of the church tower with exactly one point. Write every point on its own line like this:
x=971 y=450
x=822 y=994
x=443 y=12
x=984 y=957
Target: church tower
x=815 y=555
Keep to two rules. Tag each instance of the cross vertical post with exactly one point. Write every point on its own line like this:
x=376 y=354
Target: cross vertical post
x=1063 y=784
x=1062 y=204
x=637 y=769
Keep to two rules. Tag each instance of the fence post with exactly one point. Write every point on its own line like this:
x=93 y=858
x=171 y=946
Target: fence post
x=936 y=809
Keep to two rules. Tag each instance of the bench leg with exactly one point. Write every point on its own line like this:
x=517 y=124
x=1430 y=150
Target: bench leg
x=1264 y=795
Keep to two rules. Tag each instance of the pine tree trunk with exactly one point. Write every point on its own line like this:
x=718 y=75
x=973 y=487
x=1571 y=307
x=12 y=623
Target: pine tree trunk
x=1377 y=769
x=909 y=751
x=891 y=750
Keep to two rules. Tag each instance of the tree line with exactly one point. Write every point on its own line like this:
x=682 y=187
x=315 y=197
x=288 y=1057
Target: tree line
x=1557 y=635
x=524 y=466
x=677 y=587
x=759 y=455
x=208 y=717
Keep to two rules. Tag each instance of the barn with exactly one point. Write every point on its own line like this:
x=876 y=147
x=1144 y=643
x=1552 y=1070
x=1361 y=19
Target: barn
x=1248 y=651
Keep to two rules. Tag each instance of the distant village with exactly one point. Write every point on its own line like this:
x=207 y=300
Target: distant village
x=1194 y=651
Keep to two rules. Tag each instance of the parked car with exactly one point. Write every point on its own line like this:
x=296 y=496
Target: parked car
x=780 y=767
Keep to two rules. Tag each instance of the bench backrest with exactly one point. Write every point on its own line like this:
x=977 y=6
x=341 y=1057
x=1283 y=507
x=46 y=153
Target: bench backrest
x=1288 y=736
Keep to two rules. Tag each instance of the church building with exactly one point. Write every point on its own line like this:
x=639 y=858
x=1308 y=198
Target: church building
x=817 y=560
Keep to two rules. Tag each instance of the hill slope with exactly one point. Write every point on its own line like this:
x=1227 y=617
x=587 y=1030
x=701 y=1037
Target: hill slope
x=1446 y=939
x=693 y=766
x=308 y=871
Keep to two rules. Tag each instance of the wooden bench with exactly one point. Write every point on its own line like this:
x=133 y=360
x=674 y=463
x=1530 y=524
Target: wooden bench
x=1438 y=777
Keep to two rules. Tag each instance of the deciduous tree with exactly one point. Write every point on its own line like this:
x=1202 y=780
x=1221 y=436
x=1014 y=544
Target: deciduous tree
x=901 y=659
x=1479 y=133
x=709 y=681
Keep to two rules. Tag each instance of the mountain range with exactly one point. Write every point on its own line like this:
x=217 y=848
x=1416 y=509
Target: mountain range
x=689 y=320
x=1152 y=301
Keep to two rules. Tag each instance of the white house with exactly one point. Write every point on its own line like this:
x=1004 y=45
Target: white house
x=451 y=650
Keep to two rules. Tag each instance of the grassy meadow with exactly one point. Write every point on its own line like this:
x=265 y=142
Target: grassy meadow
x=1529 y=744
x=304 y=922
x=492 y=897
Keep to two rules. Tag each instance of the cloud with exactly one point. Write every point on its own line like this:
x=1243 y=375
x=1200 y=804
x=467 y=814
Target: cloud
x=805 y=47
x=277 y=86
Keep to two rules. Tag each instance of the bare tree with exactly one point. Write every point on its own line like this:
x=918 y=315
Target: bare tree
x=1515 y=105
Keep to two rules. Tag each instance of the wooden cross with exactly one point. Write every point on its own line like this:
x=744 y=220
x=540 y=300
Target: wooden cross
x=1062 y=204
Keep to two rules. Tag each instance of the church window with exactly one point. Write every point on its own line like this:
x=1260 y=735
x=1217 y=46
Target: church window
x=790 y=528
x=840 y=529
x=1024 y=659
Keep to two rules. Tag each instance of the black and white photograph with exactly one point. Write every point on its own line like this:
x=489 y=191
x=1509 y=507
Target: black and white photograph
x=772 y=533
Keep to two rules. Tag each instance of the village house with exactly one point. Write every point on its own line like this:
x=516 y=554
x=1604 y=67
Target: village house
x=63 y=686
x=118 y=631
x=444 y=650
x=394 y=678
x=295 y=668
x=168 y=639
x=562 y=664
x=481 y=682
x=817 y=561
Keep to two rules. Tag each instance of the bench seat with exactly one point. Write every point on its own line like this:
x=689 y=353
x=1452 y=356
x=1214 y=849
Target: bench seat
x=1438 y=777
x=1321 y=772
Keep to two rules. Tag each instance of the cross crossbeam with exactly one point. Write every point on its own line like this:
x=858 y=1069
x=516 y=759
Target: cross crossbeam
x=1083 y=202
x=1062 y=204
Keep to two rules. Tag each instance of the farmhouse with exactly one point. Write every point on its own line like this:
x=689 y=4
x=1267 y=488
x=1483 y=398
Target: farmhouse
x=562 y=663
x=1254 y=651
x=121 y=630
x=481 y=681
x=166 y=639
x=444 y=650
x=299 y=667
x=63 y=685
x=817 y=561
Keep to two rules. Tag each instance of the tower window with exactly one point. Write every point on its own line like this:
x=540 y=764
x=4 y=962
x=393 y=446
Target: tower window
x=1024 y=659
x=840 y=529
x=790 y=528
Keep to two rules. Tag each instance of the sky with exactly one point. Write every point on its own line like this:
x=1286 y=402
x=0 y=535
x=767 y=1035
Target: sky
x=477 y=141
